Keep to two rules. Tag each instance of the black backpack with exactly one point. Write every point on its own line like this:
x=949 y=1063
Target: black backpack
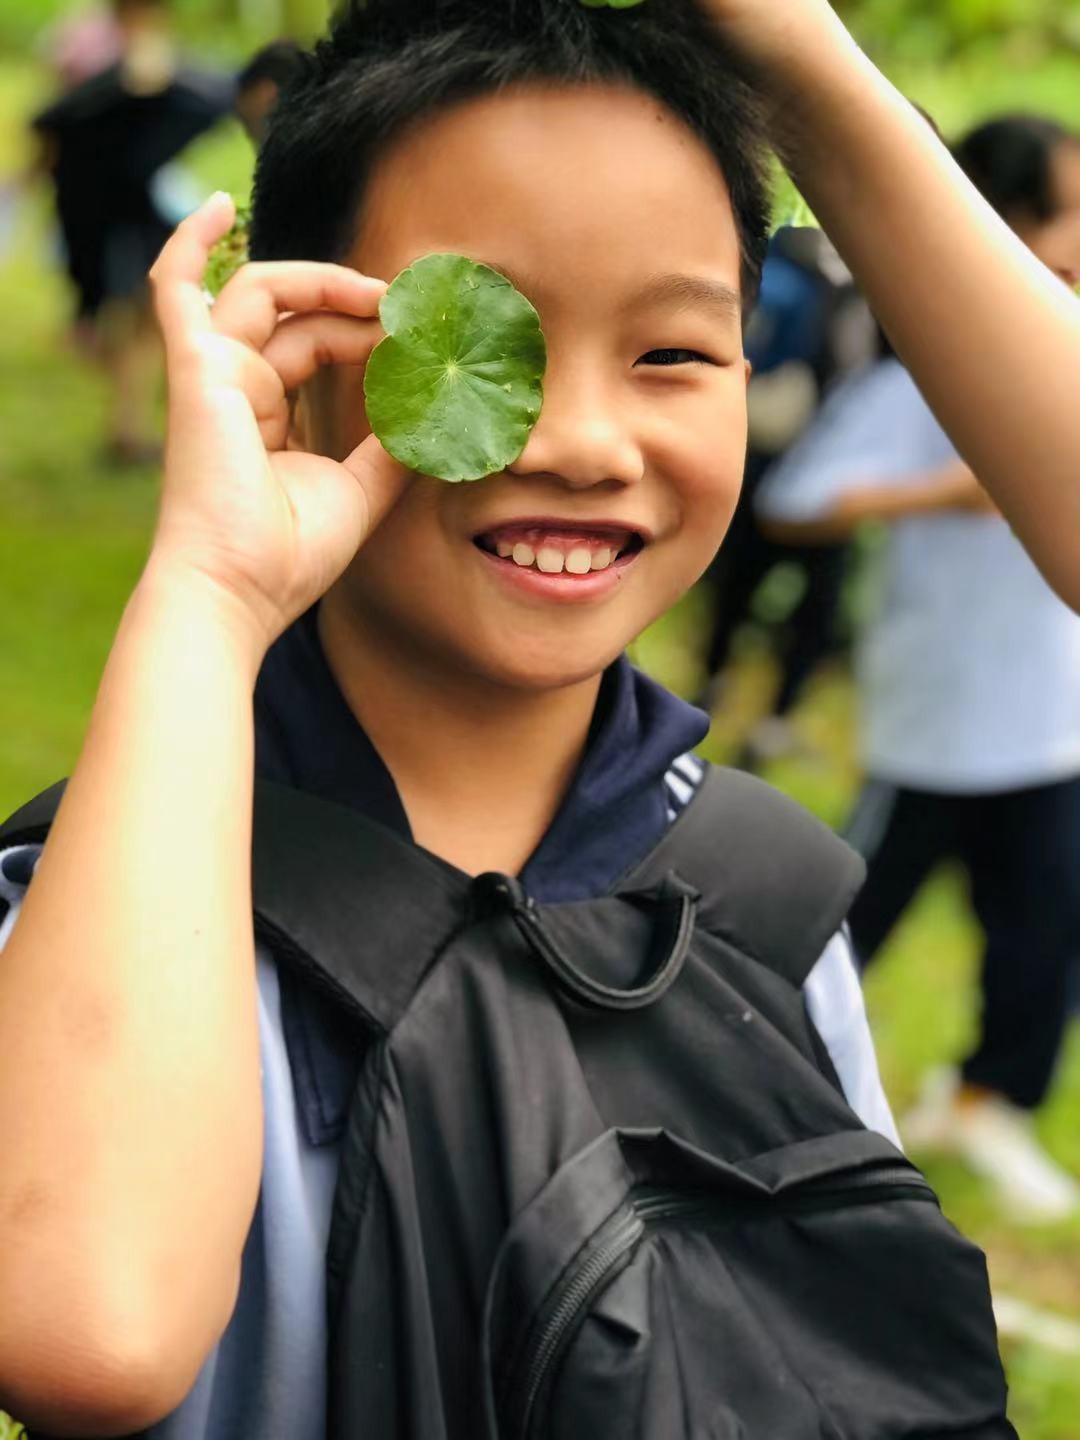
x=599 y=1180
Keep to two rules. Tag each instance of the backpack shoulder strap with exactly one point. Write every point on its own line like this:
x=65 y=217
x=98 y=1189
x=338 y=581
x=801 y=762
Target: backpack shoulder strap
x=774 y=881
x=358 y=910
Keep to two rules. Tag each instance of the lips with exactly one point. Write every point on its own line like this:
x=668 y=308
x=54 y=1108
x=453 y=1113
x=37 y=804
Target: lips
x=561 y=548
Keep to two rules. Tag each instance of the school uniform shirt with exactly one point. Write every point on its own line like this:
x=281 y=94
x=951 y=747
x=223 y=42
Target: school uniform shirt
x=267 y=1377
x=969 y=665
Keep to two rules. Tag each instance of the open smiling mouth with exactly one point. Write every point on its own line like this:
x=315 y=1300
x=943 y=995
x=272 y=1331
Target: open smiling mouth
x=558 y=548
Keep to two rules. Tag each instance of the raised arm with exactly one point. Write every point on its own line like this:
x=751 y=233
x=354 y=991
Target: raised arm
x=992 y=338
x=130 y=1104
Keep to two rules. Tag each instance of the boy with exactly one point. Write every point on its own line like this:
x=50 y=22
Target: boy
x=610 y=164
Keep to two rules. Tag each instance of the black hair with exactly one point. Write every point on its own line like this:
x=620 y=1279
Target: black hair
x=388 y=63
x=280 y=61
x=1010 y=160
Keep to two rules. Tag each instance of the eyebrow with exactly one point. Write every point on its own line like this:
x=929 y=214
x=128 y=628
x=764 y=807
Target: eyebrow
x=690 y=292
x=682 y=291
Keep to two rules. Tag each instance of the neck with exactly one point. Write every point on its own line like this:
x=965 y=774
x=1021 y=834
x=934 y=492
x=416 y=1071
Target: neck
x=481 y=769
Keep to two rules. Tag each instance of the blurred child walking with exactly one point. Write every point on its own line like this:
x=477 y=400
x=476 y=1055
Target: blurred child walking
x=969 y=680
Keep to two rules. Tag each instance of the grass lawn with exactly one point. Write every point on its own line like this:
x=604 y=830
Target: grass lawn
x=72 y=540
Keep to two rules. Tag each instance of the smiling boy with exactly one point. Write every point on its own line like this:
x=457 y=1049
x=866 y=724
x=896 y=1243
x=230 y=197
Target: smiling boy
x=442 y=659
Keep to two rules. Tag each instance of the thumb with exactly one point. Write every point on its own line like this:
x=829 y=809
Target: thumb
x=381 y=480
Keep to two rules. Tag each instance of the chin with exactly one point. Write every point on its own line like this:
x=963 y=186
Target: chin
x=544 y=670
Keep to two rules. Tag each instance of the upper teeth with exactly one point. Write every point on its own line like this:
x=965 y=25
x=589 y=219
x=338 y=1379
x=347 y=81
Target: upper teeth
x=552 y=561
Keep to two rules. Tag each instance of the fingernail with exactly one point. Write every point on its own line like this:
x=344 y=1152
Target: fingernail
x=218 y=196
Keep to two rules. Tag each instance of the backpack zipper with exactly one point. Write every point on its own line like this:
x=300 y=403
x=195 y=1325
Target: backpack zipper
x=554 y=1324
x=617 y=1241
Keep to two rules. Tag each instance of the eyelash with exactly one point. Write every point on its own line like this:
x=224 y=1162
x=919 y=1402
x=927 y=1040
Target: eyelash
x=687 y=357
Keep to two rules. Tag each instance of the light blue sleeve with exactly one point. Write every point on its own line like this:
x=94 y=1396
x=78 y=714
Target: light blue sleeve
x=267 y=1375
x=834 y=1002
x=874 y=429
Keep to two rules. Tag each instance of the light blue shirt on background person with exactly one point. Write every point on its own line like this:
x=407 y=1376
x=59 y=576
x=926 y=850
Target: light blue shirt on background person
x=968 y=666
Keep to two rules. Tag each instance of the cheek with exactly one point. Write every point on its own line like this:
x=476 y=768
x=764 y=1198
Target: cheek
x=402 y=566
x=705 y=460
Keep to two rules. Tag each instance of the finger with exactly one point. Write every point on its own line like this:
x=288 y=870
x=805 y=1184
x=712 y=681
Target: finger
x=177 y=274
x=381 y=479
x=303 y=344
x=336 y=512
x=253 y=302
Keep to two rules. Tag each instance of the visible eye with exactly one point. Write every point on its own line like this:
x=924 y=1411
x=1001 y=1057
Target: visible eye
x=674 y=357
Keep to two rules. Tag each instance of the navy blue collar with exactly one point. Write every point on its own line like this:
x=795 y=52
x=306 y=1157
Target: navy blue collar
x=612 y=815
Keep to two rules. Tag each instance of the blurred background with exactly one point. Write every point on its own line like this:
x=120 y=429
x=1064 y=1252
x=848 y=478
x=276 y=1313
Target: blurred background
x=77 y=501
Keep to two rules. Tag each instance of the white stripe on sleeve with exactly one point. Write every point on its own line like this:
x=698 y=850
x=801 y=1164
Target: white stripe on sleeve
x=834 y=1002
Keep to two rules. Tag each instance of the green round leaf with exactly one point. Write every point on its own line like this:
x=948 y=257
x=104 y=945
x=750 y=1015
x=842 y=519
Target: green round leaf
x=456 y=387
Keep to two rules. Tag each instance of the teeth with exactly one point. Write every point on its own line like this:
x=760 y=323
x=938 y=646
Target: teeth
x=549 y=560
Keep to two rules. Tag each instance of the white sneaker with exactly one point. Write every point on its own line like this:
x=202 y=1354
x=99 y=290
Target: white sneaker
x=997 y=1140
x=930 y=1123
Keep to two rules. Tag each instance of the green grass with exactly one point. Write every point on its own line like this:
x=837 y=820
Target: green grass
x=74 y=536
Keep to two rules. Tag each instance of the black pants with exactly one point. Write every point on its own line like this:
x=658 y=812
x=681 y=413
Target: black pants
x=1022 y=853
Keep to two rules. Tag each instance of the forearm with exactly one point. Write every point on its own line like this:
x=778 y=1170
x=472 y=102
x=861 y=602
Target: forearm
x=129 y=1072
x=949 y=489
x=992 y=338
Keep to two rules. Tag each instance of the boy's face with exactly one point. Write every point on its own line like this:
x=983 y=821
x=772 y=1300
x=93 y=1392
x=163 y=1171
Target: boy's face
x=617 y=224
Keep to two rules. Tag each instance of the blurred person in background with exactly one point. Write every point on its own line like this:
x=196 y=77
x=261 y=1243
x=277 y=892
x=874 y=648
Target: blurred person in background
x=81 y=44
x=105 y=144
x=809 y=329
x=260 y=83
x=969 y=680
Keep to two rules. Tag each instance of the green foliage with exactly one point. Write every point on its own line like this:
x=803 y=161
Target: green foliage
x=229 y=253
x=227 y=28
x=456 y=387
x=931 y=30
x=927 y=30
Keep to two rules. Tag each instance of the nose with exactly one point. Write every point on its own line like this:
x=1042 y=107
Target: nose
x=585 y=435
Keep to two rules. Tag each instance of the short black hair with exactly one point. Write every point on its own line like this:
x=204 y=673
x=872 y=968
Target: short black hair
x=1010 y=160
x=387 y=63
x=280 y=61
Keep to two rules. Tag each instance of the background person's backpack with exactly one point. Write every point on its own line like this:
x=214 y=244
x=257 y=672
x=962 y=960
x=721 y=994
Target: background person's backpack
x=599 y=1181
